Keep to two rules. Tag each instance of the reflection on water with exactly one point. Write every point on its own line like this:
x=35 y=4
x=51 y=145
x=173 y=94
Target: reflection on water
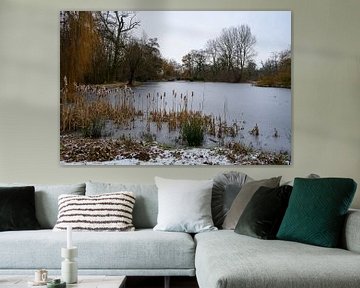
x=243 y=105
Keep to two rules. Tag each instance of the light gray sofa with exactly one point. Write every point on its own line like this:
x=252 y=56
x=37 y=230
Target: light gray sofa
x=142 y=252
x=219 y=259
x=226 y=259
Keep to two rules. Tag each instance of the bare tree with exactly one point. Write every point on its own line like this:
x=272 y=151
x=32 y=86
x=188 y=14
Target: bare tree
x=142 y=59
x=226 y=45
x=189 y=65
x=276 y=70
x=212 y=55
x=195 y=63
x=115 y=27
x=212 y=51
x=236 y=47
x=244 y=43
x=151 y=67
x=133 y=58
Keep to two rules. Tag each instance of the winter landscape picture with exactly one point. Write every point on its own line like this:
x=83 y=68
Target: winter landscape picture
x=175 y=88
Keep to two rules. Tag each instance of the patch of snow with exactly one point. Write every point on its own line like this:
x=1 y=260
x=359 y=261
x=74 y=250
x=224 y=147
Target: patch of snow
x=193 y=156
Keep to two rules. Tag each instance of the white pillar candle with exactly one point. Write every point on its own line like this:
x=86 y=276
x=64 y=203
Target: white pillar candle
x=69 y=237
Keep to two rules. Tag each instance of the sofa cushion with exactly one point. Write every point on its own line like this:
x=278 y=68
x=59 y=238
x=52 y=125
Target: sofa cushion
x=226 y=187
x=105 y=212
x=243 y=198
x=317 y=209
x=263 y=215
x=17 y=208
x=46 y=200
x=146 y=204
x=350 y=239
x=138 y=250
x=184 y=205
x=225 y=259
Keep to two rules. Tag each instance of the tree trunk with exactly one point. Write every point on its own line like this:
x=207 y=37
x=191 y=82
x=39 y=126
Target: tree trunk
x=131 y=77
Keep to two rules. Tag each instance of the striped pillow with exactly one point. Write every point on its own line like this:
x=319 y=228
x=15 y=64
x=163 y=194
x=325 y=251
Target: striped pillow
x=105 y=212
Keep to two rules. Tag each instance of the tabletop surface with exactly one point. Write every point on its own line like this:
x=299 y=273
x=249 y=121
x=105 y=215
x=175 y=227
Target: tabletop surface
x=87 y=281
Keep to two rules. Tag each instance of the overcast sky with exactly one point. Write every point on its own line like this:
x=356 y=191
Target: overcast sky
x=179 y=32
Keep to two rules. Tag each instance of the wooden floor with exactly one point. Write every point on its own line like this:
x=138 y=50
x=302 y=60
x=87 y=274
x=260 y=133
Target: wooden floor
x=158 y=282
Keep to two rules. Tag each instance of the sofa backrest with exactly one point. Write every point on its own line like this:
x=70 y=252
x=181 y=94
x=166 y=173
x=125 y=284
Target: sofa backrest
x=146 y=203
x=46 y=200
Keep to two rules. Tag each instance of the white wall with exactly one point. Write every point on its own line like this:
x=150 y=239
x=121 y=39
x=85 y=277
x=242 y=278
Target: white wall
x=326 y=91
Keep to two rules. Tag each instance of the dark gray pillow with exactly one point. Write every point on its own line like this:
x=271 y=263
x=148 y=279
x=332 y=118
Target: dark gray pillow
x=263 y=214
x=225 y=189
x=243 y=198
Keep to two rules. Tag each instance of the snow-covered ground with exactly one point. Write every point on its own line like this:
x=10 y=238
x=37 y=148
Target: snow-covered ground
x=81 y=151
x=194 y=156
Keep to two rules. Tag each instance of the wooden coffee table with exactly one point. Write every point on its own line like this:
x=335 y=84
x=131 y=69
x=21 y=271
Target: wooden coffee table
x=83 y=282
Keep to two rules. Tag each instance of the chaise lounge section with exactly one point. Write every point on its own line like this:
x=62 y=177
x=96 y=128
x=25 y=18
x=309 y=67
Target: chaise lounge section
x=225 y=259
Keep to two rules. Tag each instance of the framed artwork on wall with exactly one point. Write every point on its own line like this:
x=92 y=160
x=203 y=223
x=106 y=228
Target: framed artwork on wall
x=175 y=88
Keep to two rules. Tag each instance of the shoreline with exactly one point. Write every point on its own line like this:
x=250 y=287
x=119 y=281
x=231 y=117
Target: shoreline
x=106 y=151
x=138 y=83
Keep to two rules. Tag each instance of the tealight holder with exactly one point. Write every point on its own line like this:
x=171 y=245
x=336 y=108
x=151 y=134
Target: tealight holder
x=69 y=270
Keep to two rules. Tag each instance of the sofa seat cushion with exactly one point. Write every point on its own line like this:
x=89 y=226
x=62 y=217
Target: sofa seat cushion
x=142 y=249
x=226 y=259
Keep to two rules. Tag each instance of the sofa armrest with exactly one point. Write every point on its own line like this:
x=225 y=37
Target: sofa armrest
x=351 y=234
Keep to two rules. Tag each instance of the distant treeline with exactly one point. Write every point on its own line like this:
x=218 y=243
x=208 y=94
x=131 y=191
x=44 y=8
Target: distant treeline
x=100 y=47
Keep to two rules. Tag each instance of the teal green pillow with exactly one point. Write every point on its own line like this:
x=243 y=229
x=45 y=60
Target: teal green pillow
x=316 y=211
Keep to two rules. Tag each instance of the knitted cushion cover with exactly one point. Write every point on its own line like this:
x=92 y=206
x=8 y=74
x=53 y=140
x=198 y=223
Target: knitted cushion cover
x=316 y=211
x=105 y=212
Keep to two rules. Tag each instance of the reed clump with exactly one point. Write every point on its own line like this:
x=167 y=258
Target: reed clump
x=193 y=130
x=94 y=128
x=89 y=108
x=89 y=115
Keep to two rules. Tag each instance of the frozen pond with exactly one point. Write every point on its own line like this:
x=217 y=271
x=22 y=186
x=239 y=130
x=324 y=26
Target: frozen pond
x=243 y=104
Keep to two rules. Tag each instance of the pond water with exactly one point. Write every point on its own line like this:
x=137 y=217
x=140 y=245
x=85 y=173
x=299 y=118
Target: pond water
x=243 y=104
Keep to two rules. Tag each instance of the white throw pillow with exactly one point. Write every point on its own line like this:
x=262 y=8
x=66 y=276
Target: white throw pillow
x=105 y=212
x=184 y=205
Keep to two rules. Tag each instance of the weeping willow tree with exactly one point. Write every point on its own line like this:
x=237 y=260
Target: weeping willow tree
x=79 y=40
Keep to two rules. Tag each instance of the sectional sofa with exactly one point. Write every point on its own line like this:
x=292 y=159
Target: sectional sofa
x=219 y=259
